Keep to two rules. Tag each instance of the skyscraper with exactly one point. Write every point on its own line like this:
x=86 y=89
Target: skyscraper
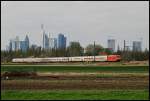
x=27 y=41
x=52 y=43
x=12 y=45
x=111 y=44
x=137 y=46
x=17 y=43
x=45 y=38
x=24 y=45
x=55 y=43
x=46 y=42
x=43 y=32
x=61 y=41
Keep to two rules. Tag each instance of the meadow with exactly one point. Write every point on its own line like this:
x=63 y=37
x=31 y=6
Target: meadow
x=129 y=69
x=75 y=94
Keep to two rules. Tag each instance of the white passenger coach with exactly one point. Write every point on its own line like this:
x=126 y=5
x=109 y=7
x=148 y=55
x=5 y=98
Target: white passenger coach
x=61 y=59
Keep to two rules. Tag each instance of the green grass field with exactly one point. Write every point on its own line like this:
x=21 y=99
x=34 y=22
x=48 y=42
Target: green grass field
x=120 y=69
x=76 y=95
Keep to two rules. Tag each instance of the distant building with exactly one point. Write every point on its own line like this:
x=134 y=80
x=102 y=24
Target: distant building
x=23 y=46
x=55 y=43
x=34 y=46
x=45 y=38
x=27 y=41
x=61 y=41
x=16 y=45
x=137 y=46
x=7 y=48
x=111 y=44
x=49 y=43
x=84 y=50
x=12 y=45
x=45 y=41
x=52 y=43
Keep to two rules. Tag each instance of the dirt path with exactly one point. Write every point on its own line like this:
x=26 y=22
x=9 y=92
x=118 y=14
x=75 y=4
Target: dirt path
x=75 y=82
x=89 y=74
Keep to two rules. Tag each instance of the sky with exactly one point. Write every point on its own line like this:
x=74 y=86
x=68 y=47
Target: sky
x=82 y=21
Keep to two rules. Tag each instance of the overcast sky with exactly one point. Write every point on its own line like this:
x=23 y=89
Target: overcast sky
x=83 y=21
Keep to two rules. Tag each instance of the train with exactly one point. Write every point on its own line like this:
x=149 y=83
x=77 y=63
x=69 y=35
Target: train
x=104 y=58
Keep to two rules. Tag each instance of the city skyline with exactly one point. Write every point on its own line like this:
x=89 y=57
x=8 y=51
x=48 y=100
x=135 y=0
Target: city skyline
x=60 y=43
x=85 y=22
x=48 y=43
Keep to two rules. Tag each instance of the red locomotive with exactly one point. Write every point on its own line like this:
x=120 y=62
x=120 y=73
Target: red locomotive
x=113 y=58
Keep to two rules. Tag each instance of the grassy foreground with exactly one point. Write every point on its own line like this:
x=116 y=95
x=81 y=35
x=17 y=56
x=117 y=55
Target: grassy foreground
x=75 y=95
x=115 y=94
x=122 y=69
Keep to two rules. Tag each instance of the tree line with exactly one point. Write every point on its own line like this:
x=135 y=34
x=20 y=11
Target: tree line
x=74 y=49
x=133 y=55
